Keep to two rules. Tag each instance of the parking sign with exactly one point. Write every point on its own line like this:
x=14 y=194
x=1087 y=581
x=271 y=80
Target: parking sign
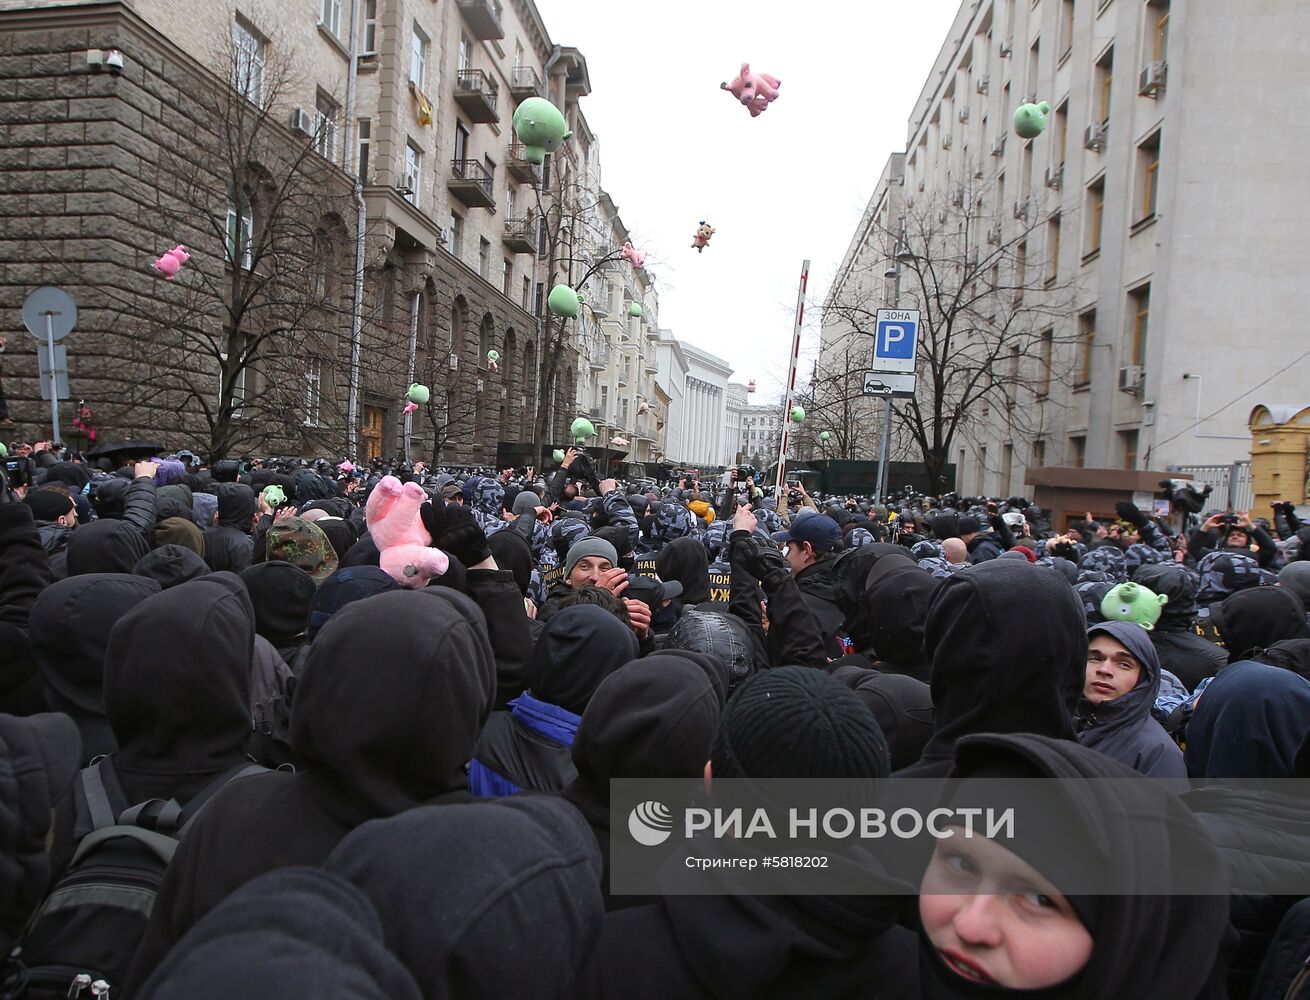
x=896 y=337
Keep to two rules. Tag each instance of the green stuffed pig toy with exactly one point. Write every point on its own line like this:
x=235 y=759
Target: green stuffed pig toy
x=541 y=127
x=1030 y=120
x=1131 y=602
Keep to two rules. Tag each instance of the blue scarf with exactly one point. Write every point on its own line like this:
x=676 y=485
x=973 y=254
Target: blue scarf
x=545 y=719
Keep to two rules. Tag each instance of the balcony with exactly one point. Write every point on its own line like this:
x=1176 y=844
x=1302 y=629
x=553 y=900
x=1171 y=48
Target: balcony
x=483 y=17
x=524 y=83
x=521 y=169
x=521 y=235
x=476 y=95
x=471 y=182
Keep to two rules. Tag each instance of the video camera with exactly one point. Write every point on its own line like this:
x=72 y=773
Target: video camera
x=1186 y=494
x=583 y=467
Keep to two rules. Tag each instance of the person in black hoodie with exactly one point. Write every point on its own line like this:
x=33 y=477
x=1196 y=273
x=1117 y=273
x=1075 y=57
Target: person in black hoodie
x=282 y=595
x=1182 y=652
x=983 y=939
x=170 y=565
x=898 y=593
x=1253 y=620
x=527 y=747
x=70 y=626
x=24 y=573
x=106 y=547
x=653 y=718
x=990 y=675
x=228 y=544
x=388 y=706
x=297 y=932
x=39 y=758
x=491 y=900
x=901 y=704
x=684 y=560
x=792 y=722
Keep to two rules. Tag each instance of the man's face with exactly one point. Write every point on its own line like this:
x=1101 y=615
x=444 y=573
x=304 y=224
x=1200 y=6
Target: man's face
x=1112 y=671
x=798 y=555
x=69 y=520
x=570 y=493
x=588 y=571
x=1238 y=539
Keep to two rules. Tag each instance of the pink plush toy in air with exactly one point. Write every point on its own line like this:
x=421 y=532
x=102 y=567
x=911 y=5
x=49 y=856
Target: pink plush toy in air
x=404 y=545
x=755 y=90
x=635 y=257
x=701 y=236
x=410 y=407
x=171 y=262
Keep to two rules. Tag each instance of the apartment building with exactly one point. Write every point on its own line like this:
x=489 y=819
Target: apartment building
x=414 y=101
x=1157 y=221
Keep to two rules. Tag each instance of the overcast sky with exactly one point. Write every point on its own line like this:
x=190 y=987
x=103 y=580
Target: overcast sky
x=779 y=188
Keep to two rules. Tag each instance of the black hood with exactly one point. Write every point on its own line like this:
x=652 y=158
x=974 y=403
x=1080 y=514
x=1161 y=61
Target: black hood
x=392 y=695
x=653 y=718
x=236 y=506
x=685 y=560
x=1249 y=723
x=714 y=667
x=902 y=705
x=39 y=757
x=578 y=649
x=1290 y=654
x=341 y=534
x=1179 y=585
x=490 y=899
x=1255 y=619
x=170 y=565
x=512 y=552
x=345 y=586
x=725 y=637
x=1144 y=945
x=1008 y=652
x=294 y=932
x=897 y=593
x=850 y=575
x=177 y=678
x=174 y=501
x=105 y=547
x=70 y=625
x=281 y=595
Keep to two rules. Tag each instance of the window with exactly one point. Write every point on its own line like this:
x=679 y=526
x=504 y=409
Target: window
x=1095 y=212
x=1020 y=271
x=1026 y=173
x=527 y=292
x=413 y=172
x=1157 y=20
x=461 y=141
x=1007 y=468
x=540 y=298
x=1128 y=445
x=1061 y=132
x=240 y=230
x=518 y=55
x=486 y=338
x=1033 y=53
x=982 y=469
x=325 y=127
x=465 y=52
x=1104 y=78
x=1086 y=344
x=507 y=278
x=1053 y=249
x=370 y=25
x=248 y=61
x=1039 y=454
x=456 y=234
x=1139 y=311
x=238 y=386
x=361 y=149
x=1078 y=450
x=510 y=195
x=313 y=382
x=604 y=401
x=320 y=274
x=1066 y=29
x=490 y=164
x=1047 y=360
x=418 y=58
x=1000 y=193
x=623 y=411
x=1148 y=175
x=330 y=16
x=484 y=258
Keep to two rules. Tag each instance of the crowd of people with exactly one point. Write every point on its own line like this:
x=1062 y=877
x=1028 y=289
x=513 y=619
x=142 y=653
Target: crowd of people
x=240 y=757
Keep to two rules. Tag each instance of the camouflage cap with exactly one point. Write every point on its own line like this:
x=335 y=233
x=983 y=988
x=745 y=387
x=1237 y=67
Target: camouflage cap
x=927 y=549
x=672 y=521
x=1223 y=572
x=1139 y=554
x=304 y=544
x=715 y=537
x=1106 y=559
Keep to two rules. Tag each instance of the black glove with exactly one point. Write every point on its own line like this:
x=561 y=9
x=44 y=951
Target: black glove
x=1129 y=512
x=455 y=530
x=760 y=559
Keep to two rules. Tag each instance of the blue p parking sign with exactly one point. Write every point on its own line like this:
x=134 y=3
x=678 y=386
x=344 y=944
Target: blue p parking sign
x=895 y=338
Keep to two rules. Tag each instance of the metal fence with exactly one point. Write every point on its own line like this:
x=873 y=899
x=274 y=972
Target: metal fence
x=1231 y=484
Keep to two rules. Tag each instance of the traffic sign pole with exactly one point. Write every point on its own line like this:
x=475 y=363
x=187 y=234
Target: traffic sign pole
x=54 y=379
x=882 y=454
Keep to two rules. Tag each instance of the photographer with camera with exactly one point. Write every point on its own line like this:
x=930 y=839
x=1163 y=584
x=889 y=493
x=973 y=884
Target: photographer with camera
x=1233 y=532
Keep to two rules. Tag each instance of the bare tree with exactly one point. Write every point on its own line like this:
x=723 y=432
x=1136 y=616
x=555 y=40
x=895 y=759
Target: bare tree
x=990 y=330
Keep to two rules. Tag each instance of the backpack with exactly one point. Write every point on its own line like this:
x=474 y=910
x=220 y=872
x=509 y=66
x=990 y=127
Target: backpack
x=86 y=933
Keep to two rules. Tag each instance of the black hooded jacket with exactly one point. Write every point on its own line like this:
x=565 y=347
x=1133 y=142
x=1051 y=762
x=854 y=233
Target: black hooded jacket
x=228 y=545
x=1167 y=945
x=1182 y=652
x=388 y=706
x=25 y=572
x=897 y=593
x=105 y=547
x=653 y=718
x=70 y=626
x=1009 y=655
x=490 y=900
x=1253 y=620
x=298 y=932
x=685 y=560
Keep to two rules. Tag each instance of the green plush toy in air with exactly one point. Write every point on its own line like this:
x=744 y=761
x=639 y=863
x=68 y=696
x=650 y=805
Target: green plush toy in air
x=418 y=393
x=1131 y=602
x=564 y=301
x=274 y=495
x=1030 y=120
x=541 y=127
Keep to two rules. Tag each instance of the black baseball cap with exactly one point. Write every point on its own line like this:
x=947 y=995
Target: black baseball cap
x=819 y=530
x=652 y=592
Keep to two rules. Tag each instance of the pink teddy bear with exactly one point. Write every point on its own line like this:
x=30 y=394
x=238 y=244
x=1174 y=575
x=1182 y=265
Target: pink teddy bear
x=755 y=90
x=171 y=261
x=635 y=257
x=404 y=545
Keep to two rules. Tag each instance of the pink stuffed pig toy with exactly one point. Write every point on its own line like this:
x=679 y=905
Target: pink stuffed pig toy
x=404 y=545
x=755 y=90
x=171 y=261
x=635 y=257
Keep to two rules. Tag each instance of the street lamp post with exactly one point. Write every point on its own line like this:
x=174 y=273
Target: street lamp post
x=902 y=255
